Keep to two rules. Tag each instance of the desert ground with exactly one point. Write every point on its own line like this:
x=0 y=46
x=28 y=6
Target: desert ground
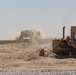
x=25 y=56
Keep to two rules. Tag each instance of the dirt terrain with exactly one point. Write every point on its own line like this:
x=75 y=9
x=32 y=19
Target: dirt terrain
x=23 y=56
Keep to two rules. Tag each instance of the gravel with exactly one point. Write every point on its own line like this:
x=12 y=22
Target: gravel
x=39 y=72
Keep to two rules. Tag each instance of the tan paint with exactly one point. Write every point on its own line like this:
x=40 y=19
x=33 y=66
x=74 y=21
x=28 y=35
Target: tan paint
x=73 y=32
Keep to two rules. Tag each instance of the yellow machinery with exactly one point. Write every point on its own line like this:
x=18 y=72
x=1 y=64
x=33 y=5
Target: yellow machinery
x=73 y=36
x=65 y=47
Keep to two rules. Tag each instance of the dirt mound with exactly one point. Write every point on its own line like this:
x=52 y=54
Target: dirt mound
x=27 y=56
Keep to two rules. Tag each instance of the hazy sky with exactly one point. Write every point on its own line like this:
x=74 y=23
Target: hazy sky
x=48 y=15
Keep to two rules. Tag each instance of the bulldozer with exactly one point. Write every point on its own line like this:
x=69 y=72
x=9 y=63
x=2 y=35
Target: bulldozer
x=65 y=47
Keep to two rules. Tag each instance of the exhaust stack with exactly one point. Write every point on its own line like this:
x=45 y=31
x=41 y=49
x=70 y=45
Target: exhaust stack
x=63 y=32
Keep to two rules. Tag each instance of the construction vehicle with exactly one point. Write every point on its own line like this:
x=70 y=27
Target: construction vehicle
x=26 y=35
x=29 y=36
x=65 y=47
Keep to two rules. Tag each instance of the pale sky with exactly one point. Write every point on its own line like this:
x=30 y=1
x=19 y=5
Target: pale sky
x=48 y=15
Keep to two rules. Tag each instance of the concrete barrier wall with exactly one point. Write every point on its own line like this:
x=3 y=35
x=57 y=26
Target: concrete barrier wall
x=10 y=41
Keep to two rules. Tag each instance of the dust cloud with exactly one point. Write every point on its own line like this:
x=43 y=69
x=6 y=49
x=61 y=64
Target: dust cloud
x=38 y=33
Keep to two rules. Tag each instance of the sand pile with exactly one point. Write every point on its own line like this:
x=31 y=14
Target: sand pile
x=19 y=51
x=26 y=56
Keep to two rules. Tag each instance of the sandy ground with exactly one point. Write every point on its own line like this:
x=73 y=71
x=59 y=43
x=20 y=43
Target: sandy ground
x=24 y=56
